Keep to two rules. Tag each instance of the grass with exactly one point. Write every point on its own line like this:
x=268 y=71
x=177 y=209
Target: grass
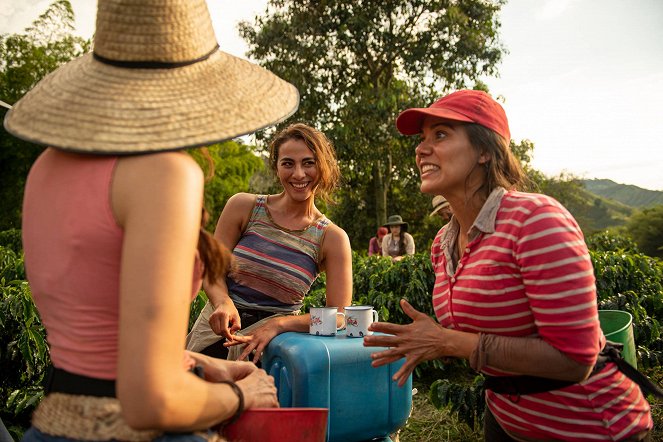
x=427 y=423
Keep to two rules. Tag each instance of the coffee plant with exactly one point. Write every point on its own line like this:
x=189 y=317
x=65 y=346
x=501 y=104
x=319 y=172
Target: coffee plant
x=24 y=353
x=625 y=278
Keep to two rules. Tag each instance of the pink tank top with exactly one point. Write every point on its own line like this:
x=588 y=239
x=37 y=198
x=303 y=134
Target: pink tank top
x=73 y=247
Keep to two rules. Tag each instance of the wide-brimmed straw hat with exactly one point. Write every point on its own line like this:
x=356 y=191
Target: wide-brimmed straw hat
x=155 y=81
x=395 y=220
x=439 y=203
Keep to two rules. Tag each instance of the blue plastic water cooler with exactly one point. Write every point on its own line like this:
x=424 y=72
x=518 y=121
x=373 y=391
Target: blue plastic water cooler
x=335 y=372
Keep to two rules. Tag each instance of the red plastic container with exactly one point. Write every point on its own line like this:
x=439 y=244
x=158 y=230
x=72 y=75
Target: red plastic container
x=278 y=425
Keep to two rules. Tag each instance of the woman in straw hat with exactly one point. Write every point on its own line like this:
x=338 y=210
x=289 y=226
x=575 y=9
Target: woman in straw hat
x=514 y=290
x=397 y=243
x=280 y=243
x=112 y=222
x=441 y=208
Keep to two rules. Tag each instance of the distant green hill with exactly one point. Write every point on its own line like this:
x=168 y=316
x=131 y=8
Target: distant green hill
x=592 y=211
x=632 y=196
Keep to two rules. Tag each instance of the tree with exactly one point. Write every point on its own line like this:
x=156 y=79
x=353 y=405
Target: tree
x=646 y=229
x=357 y=64
x=24 y=60
x=235 y=164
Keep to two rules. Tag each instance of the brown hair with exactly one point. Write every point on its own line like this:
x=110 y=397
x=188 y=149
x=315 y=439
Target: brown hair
x=216 y=258
x=503 y=168
x=323 y=151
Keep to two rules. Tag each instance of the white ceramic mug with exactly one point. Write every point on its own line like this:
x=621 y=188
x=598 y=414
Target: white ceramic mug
x=358 y=318
x=323 y=321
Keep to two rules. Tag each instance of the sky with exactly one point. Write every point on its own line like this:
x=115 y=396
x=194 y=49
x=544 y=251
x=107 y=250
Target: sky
x=582 y=80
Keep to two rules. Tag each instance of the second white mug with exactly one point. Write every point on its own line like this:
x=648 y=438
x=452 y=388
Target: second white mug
x=358 y=318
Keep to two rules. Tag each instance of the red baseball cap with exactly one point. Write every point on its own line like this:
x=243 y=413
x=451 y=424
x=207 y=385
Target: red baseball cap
x=465 y=105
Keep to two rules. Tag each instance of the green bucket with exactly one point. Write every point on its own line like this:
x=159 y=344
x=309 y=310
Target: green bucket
x=617 y=326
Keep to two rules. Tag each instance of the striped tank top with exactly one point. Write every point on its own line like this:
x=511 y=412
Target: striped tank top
x=274 y=266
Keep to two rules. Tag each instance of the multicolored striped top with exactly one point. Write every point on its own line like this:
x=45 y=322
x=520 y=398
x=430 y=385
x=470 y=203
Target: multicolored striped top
x=526 y=272
x=274 y=266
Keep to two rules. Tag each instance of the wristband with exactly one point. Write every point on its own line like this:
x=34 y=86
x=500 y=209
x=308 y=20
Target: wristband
x=240 y=407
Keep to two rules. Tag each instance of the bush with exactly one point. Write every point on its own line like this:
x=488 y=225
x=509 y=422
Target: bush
x=24 y=353
x=11 y=239
x=611 y=242
x=626 y=280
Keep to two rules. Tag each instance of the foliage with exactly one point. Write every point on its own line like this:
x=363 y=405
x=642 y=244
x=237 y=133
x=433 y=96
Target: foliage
x=356 y=66
x=465 y=399
x=24 y=353
x=234 y=165
x=427 y=423
x=606 y=241
x=626 y=280
x=379 y=282
x=24 y=60
x=12 y=240
x=633 y=282
x=646 y=229
x=196 y=307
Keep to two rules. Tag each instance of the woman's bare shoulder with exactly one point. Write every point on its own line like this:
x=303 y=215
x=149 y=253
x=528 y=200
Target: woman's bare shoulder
x=162 y=166
x=336 y=235
x=241 y=201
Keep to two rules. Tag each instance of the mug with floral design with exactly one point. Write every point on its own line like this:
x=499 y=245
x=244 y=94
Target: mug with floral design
x=323 y=321
x=358 y=318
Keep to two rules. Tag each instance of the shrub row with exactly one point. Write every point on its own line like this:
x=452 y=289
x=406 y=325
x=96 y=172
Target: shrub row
x=626 y=280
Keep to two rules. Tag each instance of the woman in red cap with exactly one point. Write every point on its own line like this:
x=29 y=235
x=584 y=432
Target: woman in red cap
x=514 y=289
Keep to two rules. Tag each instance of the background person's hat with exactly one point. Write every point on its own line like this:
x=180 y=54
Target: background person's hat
x=395 y=220
x=439 y=203
x=155 y=82
x=466 y=105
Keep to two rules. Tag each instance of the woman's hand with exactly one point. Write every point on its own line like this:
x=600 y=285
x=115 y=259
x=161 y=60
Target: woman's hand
x=258 y=340
x=217 y=370
x=225 y=320
x=258 y=389
x=422 y=340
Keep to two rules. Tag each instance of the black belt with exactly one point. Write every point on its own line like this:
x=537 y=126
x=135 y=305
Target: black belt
x=250 y=316
x=517 y=385
x=62 y=381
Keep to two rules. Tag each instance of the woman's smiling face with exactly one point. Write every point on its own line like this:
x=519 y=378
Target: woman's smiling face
x=297 y=169
x=447 y=162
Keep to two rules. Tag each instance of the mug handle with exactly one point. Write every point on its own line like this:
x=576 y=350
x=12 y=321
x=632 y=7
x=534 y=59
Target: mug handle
x=375 y=315
x=343 y=326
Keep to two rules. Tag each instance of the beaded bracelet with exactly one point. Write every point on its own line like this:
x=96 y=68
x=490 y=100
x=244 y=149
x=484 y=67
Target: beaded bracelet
x=240 y=407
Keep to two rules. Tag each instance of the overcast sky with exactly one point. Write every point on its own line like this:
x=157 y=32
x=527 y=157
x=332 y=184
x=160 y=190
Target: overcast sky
x=583 y=79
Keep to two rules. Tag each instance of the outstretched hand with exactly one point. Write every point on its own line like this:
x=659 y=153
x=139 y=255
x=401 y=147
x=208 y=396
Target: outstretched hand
x=256 y=341
x=421 y=340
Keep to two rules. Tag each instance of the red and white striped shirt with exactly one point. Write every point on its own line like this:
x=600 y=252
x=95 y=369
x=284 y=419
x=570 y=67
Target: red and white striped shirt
x=526 y=271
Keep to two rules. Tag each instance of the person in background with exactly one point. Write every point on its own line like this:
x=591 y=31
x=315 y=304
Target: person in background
x=280 y=243
x=397 y=243
x=441 y=208
x=514 y=289
x=375 y=244
x=112 y=216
